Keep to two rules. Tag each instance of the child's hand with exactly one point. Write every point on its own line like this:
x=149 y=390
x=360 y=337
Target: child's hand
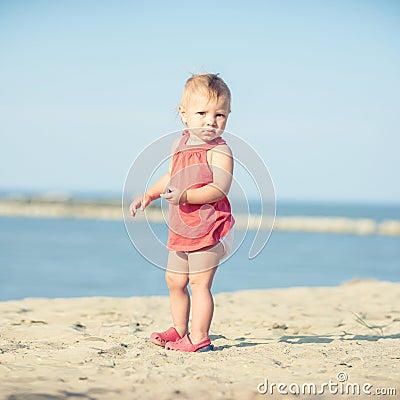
x=140 y=203
x=174 y=196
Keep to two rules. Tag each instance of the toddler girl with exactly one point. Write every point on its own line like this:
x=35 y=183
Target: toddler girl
x=200 y=219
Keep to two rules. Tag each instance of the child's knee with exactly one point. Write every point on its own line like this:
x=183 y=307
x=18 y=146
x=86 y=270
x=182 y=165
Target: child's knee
x=197 y=282
x=176 y=281
x=198 y=287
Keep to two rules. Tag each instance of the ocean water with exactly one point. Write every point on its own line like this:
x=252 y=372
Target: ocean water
x=45 y=257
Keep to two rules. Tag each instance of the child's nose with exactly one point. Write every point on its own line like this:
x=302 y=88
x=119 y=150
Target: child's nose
x=211 y=120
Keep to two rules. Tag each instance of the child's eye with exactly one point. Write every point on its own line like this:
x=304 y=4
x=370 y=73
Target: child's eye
x=201 y=113
x=220 y=115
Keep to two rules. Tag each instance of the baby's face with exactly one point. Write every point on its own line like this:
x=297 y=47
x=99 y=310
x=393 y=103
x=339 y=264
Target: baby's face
x=206 y=119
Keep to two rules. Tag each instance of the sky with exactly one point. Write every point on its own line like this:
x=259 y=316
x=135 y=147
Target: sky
x=85 y=86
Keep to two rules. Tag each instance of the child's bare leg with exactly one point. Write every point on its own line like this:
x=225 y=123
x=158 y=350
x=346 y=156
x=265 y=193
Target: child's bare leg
x=179 y=296
x=200 y=285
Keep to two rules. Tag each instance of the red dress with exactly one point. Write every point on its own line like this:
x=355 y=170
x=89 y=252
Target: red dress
x=194 y=226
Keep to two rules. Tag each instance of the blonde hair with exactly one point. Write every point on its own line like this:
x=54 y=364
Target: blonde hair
x=210 y=85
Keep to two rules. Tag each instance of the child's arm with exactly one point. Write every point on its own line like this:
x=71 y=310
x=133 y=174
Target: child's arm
x=221 y=164
x=153 y=193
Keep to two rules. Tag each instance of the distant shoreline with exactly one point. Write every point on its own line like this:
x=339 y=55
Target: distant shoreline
x=112 y=210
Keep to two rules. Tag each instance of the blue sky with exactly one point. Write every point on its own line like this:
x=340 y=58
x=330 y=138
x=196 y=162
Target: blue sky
x=86 y=85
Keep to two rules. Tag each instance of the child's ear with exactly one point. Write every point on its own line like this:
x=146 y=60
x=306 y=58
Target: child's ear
x=182 y=113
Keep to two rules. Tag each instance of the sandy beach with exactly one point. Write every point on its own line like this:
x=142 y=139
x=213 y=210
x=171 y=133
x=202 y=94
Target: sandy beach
x=98 y=348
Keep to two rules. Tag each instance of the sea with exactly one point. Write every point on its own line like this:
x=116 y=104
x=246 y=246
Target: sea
x=72 y=257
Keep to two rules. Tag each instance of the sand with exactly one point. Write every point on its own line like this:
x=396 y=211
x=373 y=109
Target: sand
x=98 y=348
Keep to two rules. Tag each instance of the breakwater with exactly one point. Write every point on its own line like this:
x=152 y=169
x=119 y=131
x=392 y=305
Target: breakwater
x=112 y=210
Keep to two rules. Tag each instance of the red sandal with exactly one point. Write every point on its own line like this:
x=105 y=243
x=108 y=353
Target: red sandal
x=186 y=345
x=161 y=338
